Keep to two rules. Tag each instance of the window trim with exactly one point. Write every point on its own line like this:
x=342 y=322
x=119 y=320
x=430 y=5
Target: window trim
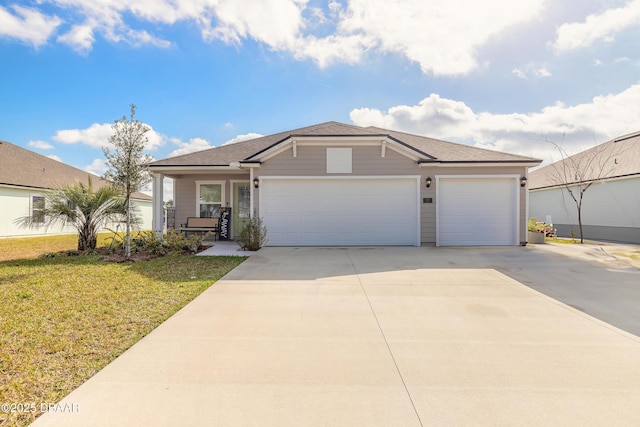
x=32 y=208
x=222 y=194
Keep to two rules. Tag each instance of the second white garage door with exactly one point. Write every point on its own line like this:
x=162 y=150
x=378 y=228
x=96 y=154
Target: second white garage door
x=477 y=211
x=340 y=212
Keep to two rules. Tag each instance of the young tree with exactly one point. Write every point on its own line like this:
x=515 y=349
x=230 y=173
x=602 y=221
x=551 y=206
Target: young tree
x=85 y=209
x=127 y=164
x=577 y=173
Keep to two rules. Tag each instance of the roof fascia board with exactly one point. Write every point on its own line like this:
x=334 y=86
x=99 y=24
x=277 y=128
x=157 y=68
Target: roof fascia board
x=252 y=164
x=23 y=187
x=340 y=140
x=411 y=148
x=46 y=190
x=593 y=181
x=403 y=150
x=476 y=163
x=194 y=167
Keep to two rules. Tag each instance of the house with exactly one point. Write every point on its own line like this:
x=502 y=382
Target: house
x=25 y=177
x=611 y=205
x=334 y=184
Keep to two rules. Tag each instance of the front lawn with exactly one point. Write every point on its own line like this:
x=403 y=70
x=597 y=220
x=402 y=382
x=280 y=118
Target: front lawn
x=64 y=318
x=31 y=247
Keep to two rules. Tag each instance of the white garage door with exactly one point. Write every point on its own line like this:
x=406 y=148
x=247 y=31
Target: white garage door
x=340 y=212
x=477 y=211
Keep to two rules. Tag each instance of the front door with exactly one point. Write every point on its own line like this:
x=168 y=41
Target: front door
x=241 y=207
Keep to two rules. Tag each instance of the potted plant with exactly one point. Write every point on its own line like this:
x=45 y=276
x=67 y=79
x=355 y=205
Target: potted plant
x=537 y=231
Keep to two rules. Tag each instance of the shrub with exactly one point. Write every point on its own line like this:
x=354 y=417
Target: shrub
x=254 y=235
x=177 y=243
x=536 y=226
x=173 y=243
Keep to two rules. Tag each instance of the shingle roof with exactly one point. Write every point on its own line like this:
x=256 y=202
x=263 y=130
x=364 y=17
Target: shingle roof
x=616 y=158
x=22 y=167
x=450 y=151
x=427 y=148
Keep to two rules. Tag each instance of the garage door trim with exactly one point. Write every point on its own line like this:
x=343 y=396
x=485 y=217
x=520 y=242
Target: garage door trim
x=417 y=179
x=516 y=209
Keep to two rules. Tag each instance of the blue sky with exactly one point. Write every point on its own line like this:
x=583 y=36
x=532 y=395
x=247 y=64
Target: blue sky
x=497 y=74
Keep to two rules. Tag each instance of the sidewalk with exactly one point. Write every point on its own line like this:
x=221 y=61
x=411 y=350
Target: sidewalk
x=225 y=248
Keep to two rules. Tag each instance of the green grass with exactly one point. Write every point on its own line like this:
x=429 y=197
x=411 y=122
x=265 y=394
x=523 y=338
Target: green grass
x=566 y=240
x=31 y=247
x=62 y=319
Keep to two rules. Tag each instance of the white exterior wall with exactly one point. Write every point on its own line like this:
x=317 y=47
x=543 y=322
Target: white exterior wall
x=614 y=203
x=16 y=203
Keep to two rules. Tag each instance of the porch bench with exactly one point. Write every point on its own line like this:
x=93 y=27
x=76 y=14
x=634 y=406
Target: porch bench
x=195 y=224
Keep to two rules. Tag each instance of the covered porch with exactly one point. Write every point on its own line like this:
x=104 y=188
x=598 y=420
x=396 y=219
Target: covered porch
x=206 y=193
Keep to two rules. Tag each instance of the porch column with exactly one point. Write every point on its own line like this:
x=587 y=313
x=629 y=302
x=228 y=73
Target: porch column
x=251 y=192
x=158 y=206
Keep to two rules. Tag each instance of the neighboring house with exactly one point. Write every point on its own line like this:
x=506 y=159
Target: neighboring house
x=334 y=184
x=26 y=176
x=611 y=206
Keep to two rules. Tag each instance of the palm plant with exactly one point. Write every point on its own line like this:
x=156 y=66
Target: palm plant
x=83 y=208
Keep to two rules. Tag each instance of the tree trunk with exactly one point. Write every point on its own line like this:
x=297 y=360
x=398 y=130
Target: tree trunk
x=127 y=241
x=580 y=223
x=87 y=240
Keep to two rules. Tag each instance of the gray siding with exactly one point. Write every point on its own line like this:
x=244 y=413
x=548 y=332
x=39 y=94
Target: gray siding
x=185 y=191
x=311 y=161
x=596 y=232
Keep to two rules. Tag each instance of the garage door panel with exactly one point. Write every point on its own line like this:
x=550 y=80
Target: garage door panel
x=345 y=212
x=477 y=211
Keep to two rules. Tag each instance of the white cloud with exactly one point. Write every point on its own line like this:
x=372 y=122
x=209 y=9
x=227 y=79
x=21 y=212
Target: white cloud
x=333 y=48
x=27 y=25
x=97 y=167
x=603 y=118
x=97 y=136
x=531 y=70
x=601 y=26
x=433 y=34
x=199 y=144
x=276 y=23
x=54 y=157
x=519 y=73
x=542 y=72
x=106 y=17
x=193 y=145
x=243 y=137
x=40 y=145
x=80 y=38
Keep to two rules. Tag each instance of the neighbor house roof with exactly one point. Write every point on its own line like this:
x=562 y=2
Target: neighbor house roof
x=617 y=158
x=427 y=149
x=24 y=168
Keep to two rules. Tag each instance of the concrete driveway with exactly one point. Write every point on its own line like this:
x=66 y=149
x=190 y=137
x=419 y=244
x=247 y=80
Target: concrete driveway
x=376 y=337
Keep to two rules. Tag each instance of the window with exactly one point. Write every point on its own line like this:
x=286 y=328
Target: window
x=73 y=207
x=210 y=198
x=37 y=209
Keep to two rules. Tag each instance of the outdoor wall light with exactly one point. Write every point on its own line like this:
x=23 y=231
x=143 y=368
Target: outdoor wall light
x=428 y=181
x=523 y=181
x=256 y=183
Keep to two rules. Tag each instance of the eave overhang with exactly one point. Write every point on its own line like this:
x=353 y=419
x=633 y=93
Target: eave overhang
x=477 y=163
x=335 y=141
